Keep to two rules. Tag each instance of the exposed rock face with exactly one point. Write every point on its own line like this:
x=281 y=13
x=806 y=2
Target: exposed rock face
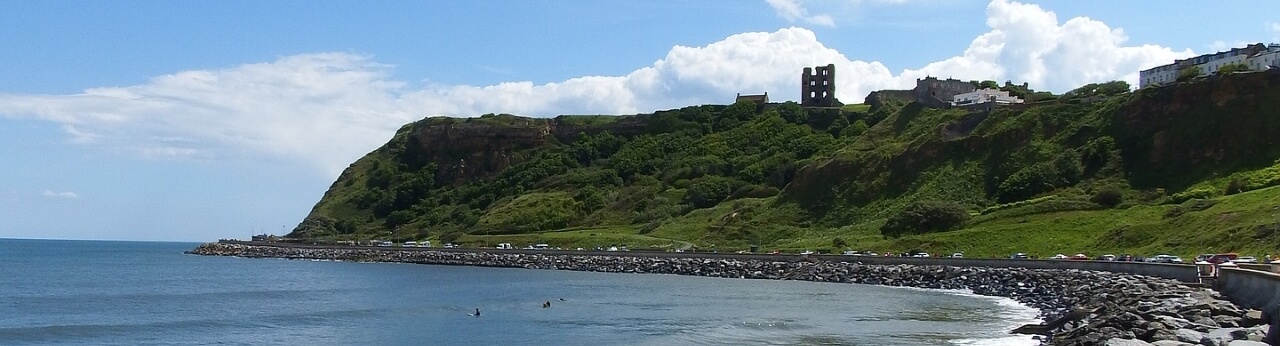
x=476 y=148
x=1127 y=309
x=1231 y=127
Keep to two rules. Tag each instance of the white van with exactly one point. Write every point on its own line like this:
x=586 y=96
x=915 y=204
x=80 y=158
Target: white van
x=505 y=246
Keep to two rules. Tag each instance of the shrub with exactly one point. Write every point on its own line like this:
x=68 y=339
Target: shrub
x=450 y=237
x=708 y=191
x=1189 y=206
x=1202 y=192
x=839 y=243
x=1234 y=187
x=924 y=217
x=1109 y=197
x=754 y=191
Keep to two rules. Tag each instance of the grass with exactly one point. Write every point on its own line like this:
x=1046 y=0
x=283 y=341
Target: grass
x=587 y=238
x=860 y=107
x=1248 y=223
x=589 y=120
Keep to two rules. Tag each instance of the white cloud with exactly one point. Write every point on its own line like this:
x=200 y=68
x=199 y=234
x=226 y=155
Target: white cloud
x=317 y=108
x=325 y=110
x=63 y=194
x=794 y=10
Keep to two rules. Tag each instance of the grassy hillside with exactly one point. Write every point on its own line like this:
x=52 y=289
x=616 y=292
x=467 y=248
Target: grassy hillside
x=1185 y=169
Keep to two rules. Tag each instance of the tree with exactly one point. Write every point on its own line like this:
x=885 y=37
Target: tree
x=1189 y=73
x=925 y=217
x=708 y=191
x=1233 y=68
x=857 y=128
x=793 y=113
x=839 y=242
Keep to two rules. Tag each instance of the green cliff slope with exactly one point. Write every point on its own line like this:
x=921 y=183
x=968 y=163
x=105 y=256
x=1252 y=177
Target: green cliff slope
x=1184 y=169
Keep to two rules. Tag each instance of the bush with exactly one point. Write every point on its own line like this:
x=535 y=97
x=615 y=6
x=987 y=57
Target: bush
x=925 y=217
x=708 y=191
x=839 y=243
x=1108 y=197
x=754 y=191
x=1189 y=206
x=1234 y=187
x=1202 y=192
x=450 y=237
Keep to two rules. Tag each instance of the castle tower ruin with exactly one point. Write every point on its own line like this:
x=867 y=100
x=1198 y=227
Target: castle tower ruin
x=818 y=86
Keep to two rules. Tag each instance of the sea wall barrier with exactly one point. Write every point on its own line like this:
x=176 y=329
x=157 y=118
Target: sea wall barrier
x=1254 y=289
x=1122 y=306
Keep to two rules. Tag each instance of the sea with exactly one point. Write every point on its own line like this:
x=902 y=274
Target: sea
x=64 y=292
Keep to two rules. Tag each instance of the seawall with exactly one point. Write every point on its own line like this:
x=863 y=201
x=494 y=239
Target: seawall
x=1124 y=306
x=1254 y=289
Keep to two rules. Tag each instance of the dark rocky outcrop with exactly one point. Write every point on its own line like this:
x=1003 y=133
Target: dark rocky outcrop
x=1126 y=309
x=476 y=148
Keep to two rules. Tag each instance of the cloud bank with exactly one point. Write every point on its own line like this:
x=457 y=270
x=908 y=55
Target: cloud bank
x=324 y=110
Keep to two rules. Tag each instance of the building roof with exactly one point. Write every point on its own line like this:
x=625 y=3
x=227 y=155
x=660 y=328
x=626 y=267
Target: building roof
x=759 y=99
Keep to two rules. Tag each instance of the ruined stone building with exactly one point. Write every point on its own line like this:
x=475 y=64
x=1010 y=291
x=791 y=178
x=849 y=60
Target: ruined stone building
x=759 y=100
x=818 y=86
x=940 y=93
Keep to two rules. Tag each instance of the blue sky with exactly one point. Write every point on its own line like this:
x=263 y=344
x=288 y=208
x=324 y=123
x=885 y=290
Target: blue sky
x=192 y=121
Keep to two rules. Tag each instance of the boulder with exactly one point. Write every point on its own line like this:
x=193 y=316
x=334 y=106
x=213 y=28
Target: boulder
x=1246 y=343
x=1126 y=342
x=1170 y=343
x=1188 y=335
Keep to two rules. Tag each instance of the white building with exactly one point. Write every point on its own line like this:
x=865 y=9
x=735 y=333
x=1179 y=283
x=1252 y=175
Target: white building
x=1256 y=56
x=984 y=96
x=1267 y=59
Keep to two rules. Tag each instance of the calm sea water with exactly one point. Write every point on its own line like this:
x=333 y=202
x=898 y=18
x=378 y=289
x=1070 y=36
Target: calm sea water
x=132 y=293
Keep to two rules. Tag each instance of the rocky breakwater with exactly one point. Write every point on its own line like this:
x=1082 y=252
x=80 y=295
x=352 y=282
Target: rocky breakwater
x=1125 y=309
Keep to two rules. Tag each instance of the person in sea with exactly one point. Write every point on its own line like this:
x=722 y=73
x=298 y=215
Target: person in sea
x=546 y=304
x=477 y=312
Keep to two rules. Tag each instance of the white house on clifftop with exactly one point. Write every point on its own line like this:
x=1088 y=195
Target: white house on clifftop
x=983 y=96
x=1256 y=56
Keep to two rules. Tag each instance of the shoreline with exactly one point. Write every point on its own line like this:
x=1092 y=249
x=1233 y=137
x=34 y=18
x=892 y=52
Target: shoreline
x=1127 y=306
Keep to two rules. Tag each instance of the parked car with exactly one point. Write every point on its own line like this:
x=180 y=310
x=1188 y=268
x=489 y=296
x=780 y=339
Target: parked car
x=1059 y=257
x=1246 y=259
x=1107 y=257
x=1165 y=259
x=1018 y=256
x=1079 y=257
x=957 y=255
x=1223 y=257
x=1125 y=258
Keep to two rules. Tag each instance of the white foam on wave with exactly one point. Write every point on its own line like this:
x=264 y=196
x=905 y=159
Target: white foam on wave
x=1014 y=314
